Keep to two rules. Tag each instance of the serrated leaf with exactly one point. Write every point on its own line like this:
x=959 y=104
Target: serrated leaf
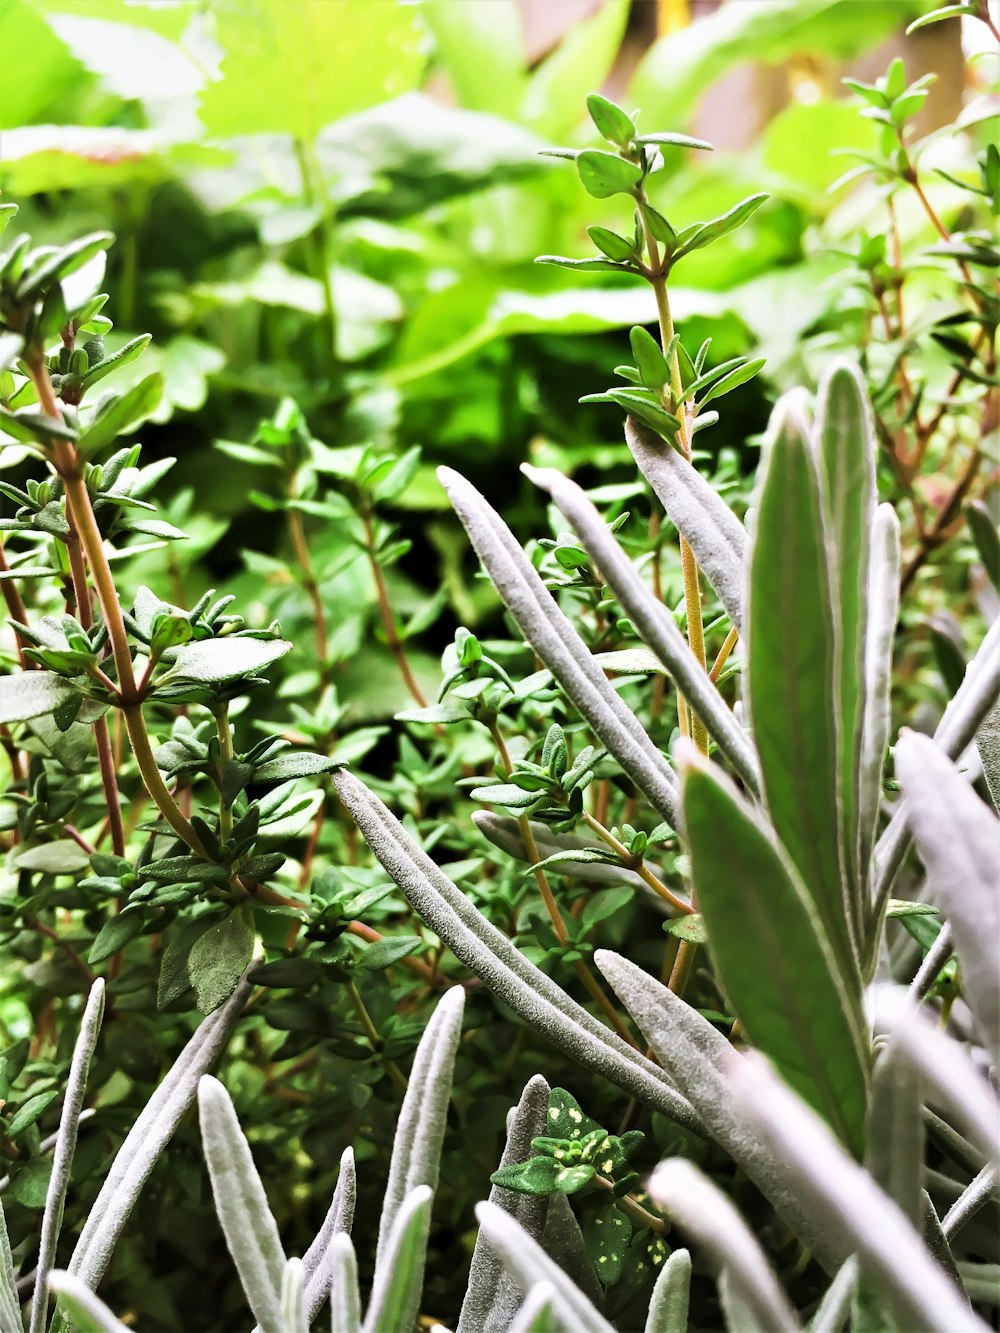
x=772 y=958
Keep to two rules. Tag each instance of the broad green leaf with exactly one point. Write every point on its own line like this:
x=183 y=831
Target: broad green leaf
x=791 y=678
x=62 y=856
x=214 y=660
x=123 y=415
x=31 y=1111
x=845 y=436
x=29 y=694
x=604 y=174
x=296 y=68
x=607 y=1234
x=772 y=956
x=218 y=958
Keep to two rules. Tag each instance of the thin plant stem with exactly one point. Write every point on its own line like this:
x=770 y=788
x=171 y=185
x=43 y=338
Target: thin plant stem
x=15 y=605
x=371 y=1032
x=730 y=642
x=224 y=733
x=316 y=194
x=396 y=646
x=297 y=534
x=637 y=864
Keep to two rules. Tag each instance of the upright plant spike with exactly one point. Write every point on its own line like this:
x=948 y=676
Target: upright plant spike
x=671 y=1298
x=399 y=1277
x=337 y=1221
x=345 y=1296
x=241 y=1204
x=561 y=649
x=700 y=1208
x=293 y=1298
x=416 y=1148
x=62 y=1158
x=791 y=676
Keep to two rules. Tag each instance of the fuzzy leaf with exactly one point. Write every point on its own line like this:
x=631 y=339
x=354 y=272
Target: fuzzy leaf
x=301 y=764
x=215 y=660
x=219 y=957
x=671 y=1298
x=773 y=960
x=123 y=415
x=28 y=694
x=399 y=1275
x=87 y=1312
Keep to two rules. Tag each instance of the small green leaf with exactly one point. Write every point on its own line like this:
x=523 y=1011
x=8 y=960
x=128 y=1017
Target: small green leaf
x=287 y=972
x=506 y=794
x=669 y=140
x=62 y=856
x=607 y=1234
x=690 y=927
x=31 y=1111
x=582 y=265
x=984 y=534
x=133 y=348
x=219 y=957
x=660 y=227
x=123 y=415
x=298 y=765
x=695 y=238
x=733 y=380
x=30 y=426
x=115 y=934
x=29 y=694
x=939 y=15
x=610 y=120
x=227 y=658
x=900 y=907
x=564 y=1118
x=65 y=261
x=611 y=244
x=605 y=174
x=537 y=1175
x=649 y=359
x=383 y=953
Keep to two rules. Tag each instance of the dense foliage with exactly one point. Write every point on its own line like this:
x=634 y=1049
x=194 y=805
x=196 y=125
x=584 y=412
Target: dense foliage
x=248 y=303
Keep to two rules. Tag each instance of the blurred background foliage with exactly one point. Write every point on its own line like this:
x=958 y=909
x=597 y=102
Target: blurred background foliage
x=327 y=214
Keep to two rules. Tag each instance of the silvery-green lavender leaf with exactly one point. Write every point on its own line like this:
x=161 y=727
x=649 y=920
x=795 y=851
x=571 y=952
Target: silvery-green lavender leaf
x=148 y=1137
x=701 y=1062
x=399 y=1278
x=835 y=1306
x=488 y=953
x=843 y=1198
x=86 y=1312
x=62 y=1158
x=772 y=954
x=936 y=1240
x=714 y=533
x=965 y=1207
x=560 y=647
x=491 y=1298
x=737 y=1313
x=10 y=1305
x=504 y=832
x=416 y=1147
x=883 y=612
x=704 y=1212
x=791 y=677
x=958 y=840
x=345 y=1296
x=988 y=744
x=653 y=622
x=339 y=1218
x=241 y=1204
x=935 y=958
x=529 y=1265
x=668 y=1305
x=293 y=1298
x=845 y=442
x=946 y=1068
x=562 y=1240
x=894 y=1143
x=535 y=1315
x=978 y=693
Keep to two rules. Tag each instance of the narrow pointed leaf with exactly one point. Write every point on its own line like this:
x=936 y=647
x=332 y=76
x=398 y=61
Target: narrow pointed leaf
x=654 y=623
x=492 y=1298
x=10 y=1302
x=772 y=957
x=714 y=533
x=845 y=435
x=241 y=1204
x=851 y=1206
x=703 y=1211
x=399 y=1279
x=668 y=1305
x=791 y=677
x=529 y=1264
x=958 y=840
x=62 y=1157
x=293 y=1298
x=560 y=647
x=721 y=226
x=536 y=1314
x=895 y=1141
x=533 y=996
x=87 y=1313
x=416 y=1149
x=123 y=415
x=337 y=1221
x=345 y=1295
x=883 y=612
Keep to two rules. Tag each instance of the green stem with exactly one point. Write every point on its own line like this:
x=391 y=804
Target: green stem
x=224 y=732
x=315 y=193
x=371 y=1032
x=637 y=864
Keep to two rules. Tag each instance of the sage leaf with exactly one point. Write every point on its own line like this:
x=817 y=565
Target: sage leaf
x=772 y=956
x=241 y=1204
x=791 y=677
